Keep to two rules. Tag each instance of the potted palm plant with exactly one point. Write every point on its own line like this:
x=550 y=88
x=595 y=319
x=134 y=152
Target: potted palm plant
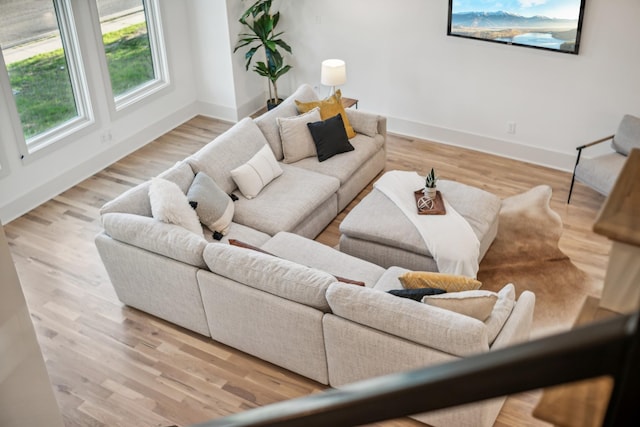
x=260 y=34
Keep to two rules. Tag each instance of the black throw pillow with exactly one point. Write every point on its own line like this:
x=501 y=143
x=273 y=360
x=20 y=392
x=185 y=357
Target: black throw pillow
x=330 y=137
x=416 y=294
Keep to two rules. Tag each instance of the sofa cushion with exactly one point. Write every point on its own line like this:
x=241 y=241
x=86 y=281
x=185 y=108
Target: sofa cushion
x=287 y=201
x=329 y=137
x=345 y=165
x=287 y=108
x=627 y=136
x=249 y=246
x=259 y=171
x=240 y=232
x=365 y=123
x=170 y=205
x=277 y=276
x=213 y=206
x=158 y=237
x=328 y=108
x=477 y=304
x=423 y=324
x=297 y=143
x=389 y=279
x=314 y=254
x=429 y=279
x=228 y=151
x=601 y=172
x=136 y=199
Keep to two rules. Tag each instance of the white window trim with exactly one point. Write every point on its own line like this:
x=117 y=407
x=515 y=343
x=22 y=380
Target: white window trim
x=70 y=42
x=158 y=55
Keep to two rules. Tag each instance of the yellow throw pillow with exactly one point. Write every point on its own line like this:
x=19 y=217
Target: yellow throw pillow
x=429 y=279
x=329 y=107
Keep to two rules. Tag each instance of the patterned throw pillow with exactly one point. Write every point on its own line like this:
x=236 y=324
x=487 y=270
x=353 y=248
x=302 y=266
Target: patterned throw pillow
x=213 y=206
x=254 y=175
x=429 y=279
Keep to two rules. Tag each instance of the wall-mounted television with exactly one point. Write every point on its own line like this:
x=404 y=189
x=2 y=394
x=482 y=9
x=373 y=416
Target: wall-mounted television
x=543 y=24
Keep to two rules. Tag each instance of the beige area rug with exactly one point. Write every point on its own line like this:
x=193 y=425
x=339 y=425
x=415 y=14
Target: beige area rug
x=525 y=253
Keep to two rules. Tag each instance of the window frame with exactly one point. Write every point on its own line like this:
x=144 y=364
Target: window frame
x=159 y=59
x=37 y=144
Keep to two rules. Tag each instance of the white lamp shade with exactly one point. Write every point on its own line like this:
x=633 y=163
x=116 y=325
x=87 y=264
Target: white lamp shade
x=334 y=72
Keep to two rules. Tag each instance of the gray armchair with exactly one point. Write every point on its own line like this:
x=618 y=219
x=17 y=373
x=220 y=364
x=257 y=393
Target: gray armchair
x=601 y=172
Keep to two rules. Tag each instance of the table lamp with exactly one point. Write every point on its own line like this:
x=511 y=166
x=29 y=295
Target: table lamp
x=334 y=73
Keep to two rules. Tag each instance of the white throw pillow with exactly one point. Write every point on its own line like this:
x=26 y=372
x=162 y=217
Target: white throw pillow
x=297 y=143
x=477 y=304
x=169 y=204
x=254 y=175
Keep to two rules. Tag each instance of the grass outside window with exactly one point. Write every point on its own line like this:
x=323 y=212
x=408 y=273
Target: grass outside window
x=42 y=88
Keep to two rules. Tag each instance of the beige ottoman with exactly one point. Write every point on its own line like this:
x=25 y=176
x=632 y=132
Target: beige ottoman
x=378 y=231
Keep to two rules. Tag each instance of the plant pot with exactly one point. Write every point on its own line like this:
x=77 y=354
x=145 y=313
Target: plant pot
x=430 y=192
x=272 y=103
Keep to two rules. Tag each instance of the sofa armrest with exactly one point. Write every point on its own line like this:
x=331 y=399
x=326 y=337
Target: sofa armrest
x=367 y=123
x=136 y=200
x=155 y=236
x=518 y=326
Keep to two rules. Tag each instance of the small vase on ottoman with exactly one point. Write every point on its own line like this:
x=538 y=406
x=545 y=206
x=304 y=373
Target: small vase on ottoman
x=430 y=185
x=430 y=192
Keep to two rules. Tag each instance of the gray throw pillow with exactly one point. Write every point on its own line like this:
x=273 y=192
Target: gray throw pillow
x=213 y=206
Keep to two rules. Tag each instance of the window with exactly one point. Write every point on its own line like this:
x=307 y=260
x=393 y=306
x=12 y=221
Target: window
x=134 y=48
x=42 y=58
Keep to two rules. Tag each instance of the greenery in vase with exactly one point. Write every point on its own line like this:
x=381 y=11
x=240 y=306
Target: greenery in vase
x=261 y=34
x=431 y=179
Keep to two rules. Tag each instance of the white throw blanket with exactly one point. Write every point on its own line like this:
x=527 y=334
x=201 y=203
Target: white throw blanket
x=449 y=238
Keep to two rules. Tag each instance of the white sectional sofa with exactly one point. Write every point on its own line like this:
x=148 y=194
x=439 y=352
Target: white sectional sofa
x=288 y=307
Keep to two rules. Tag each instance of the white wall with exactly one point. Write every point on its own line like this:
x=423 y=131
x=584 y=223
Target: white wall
x=33 y=181
x=225 y=89
x=26 y=397
x=401 y=63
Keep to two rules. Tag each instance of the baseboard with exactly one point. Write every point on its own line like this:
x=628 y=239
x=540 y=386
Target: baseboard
x=88 y=168
x=509 y=149
x=231 y=114
x=216 y=111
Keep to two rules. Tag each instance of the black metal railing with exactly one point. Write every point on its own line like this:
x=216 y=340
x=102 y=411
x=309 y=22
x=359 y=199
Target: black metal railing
x=608 y=348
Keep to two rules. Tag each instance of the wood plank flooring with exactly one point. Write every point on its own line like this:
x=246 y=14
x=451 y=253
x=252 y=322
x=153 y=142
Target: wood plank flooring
x=111 y=365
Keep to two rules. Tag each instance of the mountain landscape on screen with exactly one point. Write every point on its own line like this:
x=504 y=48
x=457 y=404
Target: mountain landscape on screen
x=502 y=19
x=512 y=28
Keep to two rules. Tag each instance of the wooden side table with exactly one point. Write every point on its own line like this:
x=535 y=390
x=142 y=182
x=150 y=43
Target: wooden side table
x=349 y=102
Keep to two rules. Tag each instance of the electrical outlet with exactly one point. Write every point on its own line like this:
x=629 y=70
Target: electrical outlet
x=511 y=128
x=106 y=137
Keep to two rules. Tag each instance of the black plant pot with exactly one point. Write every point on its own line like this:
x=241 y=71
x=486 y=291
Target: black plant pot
x=272 y=103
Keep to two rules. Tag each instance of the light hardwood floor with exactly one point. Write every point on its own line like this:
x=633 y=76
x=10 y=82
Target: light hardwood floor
x=113 y=365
